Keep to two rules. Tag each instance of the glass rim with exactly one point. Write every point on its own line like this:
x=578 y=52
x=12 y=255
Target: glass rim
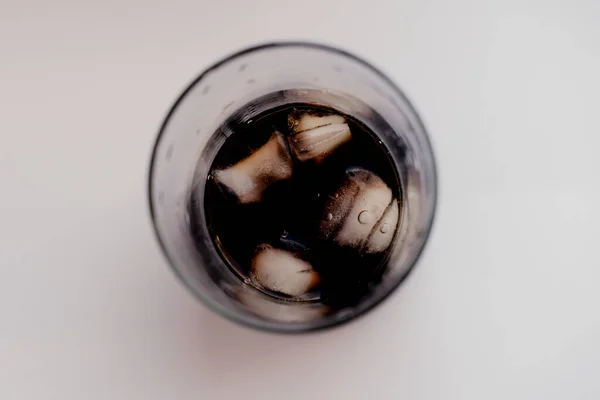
x=283 y=327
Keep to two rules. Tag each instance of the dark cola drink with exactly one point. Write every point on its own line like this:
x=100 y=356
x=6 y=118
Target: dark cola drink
x=303 y=203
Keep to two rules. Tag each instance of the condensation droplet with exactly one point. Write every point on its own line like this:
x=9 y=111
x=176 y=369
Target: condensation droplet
x=284 y=234
x=364 y=217
x=169 y=152
x=329 y=216
x=247 y=281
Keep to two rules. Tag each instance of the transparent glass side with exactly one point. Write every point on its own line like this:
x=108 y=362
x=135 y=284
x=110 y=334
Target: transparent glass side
x=281 y=74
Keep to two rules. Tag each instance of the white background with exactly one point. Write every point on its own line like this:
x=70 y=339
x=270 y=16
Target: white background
x=504 y=303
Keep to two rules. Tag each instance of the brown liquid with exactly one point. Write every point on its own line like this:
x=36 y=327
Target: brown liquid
x=289 y=213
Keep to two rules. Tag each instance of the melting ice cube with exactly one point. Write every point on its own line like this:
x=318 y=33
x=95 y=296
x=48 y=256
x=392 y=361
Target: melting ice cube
x=362 y=213
x=305 y=121
x=250 y=177
x=281 y=271
x=315 y=137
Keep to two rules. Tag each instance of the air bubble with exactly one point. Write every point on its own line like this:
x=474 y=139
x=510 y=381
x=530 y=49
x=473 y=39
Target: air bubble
x=364 y=217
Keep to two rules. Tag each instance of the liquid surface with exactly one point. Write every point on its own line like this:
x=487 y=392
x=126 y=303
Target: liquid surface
x=287 y=195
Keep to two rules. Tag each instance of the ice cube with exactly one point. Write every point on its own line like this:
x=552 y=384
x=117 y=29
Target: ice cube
x=315 y=137
x=362 y=213
x=306 y=121
x=250 y=177
x=281 y=271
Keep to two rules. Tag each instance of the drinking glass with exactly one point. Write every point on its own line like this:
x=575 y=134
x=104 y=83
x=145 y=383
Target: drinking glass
x=248 y=83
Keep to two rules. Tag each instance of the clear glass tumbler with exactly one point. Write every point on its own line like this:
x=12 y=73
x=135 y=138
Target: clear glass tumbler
x=254 y=80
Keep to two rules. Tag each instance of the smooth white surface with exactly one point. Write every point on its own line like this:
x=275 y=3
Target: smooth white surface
x=504 y=303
